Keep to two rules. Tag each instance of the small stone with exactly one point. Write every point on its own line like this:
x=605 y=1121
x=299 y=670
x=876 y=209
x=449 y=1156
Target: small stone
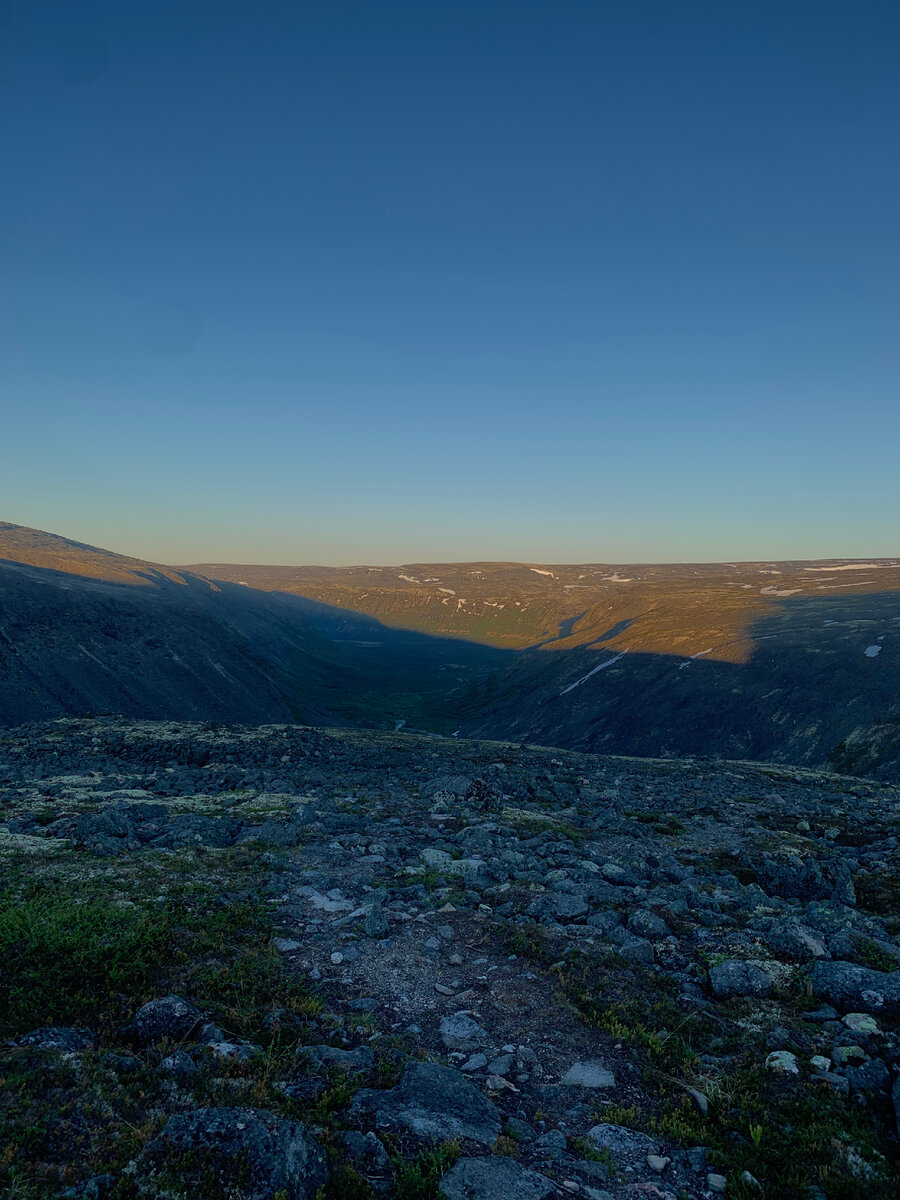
x=337 y=958
x=699 y=1101
x=716 y=1183
x=476 y=1063
x=443 y=991
x=285 y=945
x=820 y=1063
x=782 y=1062
x=657 y=1162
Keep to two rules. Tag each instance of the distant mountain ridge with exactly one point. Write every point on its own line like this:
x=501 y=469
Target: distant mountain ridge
x=794 y=662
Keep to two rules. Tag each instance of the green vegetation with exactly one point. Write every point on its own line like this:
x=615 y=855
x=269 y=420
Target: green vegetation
x=419 y=1179
x=73 y=954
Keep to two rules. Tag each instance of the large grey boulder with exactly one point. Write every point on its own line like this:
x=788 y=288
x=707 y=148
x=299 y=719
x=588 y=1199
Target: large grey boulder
x=494 y=1179
x=253 y=1153
x=739 y=978
x=852 y=988
x=434 y=1103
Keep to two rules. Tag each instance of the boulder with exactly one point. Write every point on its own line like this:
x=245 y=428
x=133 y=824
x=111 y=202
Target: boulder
x=852 y=988
x=461 y=1032
x=494 y=1179
x=620 y=1140
x=736 y=977
x=253 y=1153
x=647 y=924
x=170 y=1017
x=433 y=1103
x=194 y=830
x=589 y=1074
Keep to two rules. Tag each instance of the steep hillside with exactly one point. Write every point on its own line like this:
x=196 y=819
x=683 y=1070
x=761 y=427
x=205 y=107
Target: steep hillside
x=83 y=630
x=86 y=631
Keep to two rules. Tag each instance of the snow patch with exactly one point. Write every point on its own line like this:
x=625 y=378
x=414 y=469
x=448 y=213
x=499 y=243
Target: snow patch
x=538 y=571
x=774 y=591
x=872 y=651
x=578 y=682
x=699 y=654
x=850 y=567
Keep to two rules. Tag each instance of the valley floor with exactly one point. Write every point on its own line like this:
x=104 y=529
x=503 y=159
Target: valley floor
x=290 y=962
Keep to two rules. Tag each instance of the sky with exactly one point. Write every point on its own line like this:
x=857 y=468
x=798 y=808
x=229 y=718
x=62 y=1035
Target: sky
x=356 y=282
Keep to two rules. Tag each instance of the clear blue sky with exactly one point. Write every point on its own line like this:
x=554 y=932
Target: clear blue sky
x=380 y=282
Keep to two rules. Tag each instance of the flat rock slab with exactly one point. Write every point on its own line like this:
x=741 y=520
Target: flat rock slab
x=589 y=1074
x=434 y=1103
x=494 y=1179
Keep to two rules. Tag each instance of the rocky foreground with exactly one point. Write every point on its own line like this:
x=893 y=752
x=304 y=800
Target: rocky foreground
x=280 y=962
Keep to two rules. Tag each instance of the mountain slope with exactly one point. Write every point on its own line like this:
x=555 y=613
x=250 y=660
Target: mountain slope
x=83 y=630
x=792 y=661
